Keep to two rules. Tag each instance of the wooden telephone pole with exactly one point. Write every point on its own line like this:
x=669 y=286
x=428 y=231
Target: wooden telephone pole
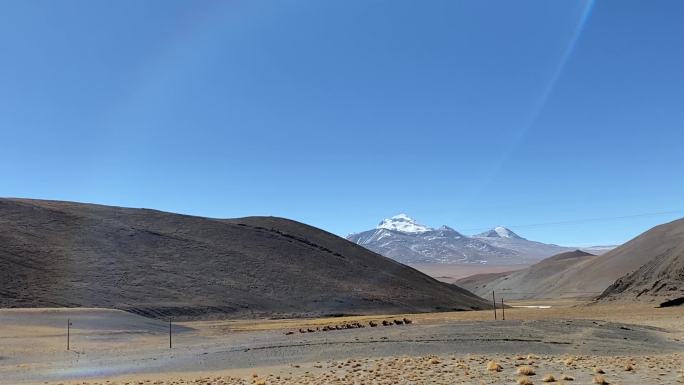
x=170 y=333
x=494 y=303
x=68 y=333
x=503 y=311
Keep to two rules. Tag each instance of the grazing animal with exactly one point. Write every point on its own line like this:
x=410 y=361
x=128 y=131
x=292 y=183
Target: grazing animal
x=289 y=333
x=385 y=323
x=398 y=322
x=310 y=330
x=302 y=331
x=373 y=324
x=407 y=321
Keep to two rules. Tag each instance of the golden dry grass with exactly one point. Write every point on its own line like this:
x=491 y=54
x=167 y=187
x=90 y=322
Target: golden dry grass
x=599 y=371
x=526 y=370
x=566 y=377
x=599 y=379
x=549 y=378
x=469 y=369
x=494 y=366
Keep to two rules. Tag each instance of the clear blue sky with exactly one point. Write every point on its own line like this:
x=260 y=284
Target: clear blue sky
x=339 y=113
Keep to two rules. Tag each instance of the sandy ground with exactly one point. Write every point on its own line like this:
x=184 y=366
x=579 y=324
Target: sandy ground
x=633 y=344
x=448 y=272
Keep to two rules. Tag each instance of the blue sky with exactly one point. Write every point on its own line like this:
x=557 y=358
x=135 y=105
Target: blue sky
x=341 y=113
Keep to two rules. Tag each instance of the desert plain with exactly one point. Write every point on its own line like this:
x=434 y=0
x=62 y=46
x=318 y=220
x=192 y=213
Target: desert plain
x=571 y=342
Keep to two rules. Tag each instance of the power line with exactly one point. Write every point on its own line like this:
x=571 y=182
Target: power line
x=585 y=220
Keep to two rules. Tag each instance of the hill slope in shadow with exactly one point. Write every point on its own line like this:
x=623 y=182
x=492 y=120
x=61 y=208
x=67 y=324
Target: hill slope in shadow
x=63 y=254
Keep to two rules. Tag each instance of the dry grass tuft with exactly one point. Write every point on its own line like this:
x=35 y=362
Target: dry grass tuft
x=599 y=371
x=524 y=380
x=435 y=361
x=600 y=380
x=567 y=378
x=526 y=370
x=549 y=378
x=629 y=367
x=494 y=366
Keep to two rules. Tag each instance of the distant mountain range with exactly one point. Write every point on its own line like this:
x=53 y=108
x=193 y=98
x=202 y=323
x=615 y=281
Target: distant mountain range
x=405 y=240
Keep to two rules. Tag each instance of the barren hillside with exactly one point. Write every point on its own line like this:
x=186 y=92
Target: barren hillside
x=56 y=254
x=537 y=281
x=650 y=264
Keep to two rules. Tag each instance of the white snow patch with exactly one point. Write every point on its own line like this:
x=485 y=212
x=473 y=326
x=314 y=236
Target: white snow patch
x=404 y=224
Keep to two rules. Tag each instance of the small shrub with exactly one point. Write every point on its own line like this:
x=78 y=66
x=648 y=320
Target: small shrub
x=567 y=378
x=524 y=380
x=526 y=370
x=600 y=380
x=599 y=371
x=494 y=366
x=549 y=378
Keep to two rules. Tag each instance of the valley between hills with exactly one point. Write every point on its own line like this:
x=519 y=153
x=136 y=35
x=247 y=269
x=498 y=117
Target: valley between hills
x=264 y=300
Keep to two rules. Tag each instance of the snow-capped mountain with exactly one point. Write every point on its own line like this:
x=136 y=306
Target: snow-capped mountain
x=499 y=232
x=403 y=223
x=405 y=240
x=528 y=250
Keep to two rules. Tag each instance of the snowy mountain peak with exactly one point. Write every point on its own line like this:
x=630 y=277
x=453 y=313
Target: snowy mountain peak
x=404 y=224
x=499 y=232
x=403 y=217
x=405 y=240
x=447 y=228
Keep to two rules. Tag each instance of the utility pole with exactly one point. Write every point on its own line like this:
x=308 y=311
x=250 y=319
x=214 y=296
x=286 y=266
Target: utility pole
x=170 y=333
x=68 y=333
x=494 y=303
x=503 y=311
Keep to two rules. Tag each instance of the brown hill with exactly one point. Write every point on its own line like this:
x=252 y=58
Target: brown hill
x=661 y=279
x=55 y=254
x=536 y=281
x=648 y=264
x=596 y=275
